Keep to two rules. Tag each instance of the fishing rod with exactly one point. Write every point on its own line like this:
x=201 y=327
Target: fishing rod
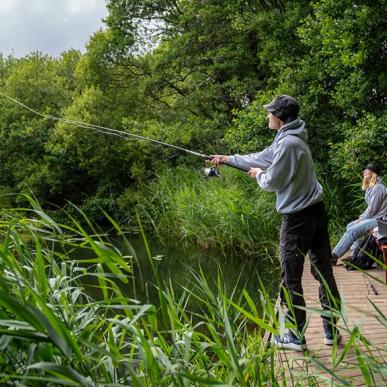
x=119 y=133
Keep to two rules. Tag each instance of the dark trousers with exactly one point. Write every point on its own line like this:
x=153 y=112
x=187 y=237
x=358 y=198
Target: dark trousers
x=307 y=232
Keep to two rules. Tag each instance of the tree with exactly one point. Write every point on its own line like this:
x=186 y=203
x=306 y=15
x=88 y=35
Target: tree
x=34 y=81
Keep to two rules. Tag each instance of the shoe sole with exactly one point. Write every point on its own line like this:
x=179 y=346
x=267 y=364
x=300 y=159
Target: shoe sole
x=330 y=342
x=292 y=347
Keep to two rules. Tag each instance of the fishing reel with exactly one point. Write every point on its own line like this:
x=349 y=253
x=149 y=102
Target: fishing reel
x=211 y=172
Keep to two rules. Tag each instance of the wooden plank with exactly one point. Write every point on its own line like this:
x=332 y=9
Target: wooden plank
x=358 y=291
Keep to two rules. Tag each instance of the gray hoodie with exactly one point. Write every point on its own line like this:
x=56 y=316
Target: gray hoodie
x=288 y=169
x=376 y=199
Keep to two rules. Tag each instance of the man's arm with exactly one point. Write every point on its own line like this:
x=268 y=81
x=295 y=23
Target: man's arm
x=254 y=160
x=261 y=160
x=282 y=170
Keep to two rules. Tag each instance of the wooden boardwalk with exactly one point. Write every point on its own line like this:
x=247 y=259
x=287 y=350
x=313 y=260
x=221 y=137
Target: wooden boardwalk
x=359 y=291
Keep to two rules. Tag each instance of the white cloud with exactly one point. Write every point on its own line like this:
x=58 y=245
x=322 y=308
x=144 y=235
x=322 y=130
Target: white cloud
x=6 y=5
x=76 y=6
x=50 y=26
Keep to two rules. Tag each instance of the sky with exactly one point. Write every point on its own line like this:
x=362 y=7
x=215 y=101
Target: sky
x=49 y=26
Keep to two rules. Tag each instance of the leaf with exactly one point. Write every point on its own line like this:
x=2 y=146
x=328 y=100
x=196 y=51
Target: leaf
x=65 y=373
x=261 y=323
x=40 y=271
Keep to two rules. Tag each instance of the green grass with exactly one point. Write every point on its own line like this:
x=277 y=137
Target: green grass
x=229 y=212
x=54 y=333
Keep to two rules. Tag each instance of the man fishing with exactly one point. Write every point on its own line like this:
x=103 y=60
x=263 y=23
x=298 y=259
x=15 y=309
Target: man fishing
x=286 y=168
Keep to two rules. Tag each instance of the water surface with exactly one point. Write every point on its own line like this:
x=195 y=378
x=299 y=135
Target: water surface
x=177 y=263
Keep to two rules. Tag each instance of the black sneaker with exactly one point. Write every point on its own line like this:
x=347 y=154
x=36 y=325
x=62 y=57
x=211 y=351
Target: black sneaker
x=290 y=341
x=330 y=338
x=346 y=261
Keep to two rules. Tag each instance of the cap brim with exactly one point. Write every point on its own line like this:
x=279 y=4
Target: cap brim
x=269 y=107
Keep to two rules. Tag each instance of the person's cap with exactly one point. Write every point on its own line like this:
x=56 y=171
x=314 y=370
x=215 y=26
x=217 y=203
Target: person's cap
x=374 y=168
x=283 y=106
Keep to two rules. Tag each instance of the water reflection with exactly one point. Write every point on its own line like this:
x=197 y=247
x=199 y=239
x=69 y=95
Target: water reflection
x=176 y=263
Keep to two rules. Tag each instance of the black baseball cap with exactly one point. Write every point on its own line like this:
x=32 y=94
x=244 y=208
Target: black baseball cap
x=283 y=106
x=374 y=168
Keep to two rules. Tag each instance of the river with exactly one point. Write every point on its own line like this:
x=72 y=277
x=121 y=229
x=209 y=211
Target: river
x=177 y=263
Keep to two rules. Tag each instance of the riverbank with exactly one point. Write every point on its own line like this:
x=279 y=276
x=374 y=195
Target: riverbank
x=54 y=331
x=72 y=337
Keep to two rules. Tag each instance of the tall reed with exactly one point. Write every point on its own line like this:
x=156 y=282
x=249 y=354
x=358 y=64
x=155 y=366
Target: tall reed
x=230 y=212
x=54 y=333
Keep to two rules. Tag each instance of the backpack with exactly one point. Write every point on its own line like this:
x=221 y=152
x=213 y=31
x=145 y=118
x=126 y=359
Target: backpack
x=365 y=253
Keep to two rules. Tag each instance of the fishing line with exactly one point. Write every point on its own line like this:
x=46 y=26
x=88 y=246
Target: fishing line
x=114 y=132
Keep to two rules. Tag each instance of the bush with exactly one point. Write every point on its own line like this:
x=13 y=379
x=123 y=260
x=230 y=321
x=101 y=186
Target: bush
x=363 y=143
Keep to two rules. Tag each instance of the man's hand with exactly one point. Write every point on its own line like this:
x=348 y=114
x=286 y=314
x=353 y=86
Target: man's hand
x=254 y=172
x=218 y=159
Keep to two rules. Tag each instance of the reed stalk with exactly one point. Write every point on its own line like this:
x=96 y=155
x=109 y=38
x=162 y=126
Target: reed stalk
x=54 y=333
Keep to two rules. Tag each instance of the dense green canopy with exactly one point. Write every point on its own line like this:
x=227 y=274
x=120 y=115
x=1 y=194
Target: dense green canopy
x=194 y=73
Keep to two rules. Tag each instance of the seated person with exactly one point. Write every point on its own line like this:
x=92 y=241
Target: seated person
x=376 y=199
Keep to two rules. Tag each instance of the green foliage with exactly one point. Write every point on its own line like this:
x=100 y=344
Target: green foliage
x=207 y=56
x=35 y=80
x=250 y=128
x=66 y=69
x=78 y=155
x=229 y=212
x=195 y=74
x=54 y=332
x=347 y=52
x=363 y=143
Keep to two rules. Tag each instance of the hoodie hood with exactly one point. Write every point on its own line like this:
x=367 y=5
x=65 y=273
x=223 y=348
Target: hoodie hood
x=294 y=128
